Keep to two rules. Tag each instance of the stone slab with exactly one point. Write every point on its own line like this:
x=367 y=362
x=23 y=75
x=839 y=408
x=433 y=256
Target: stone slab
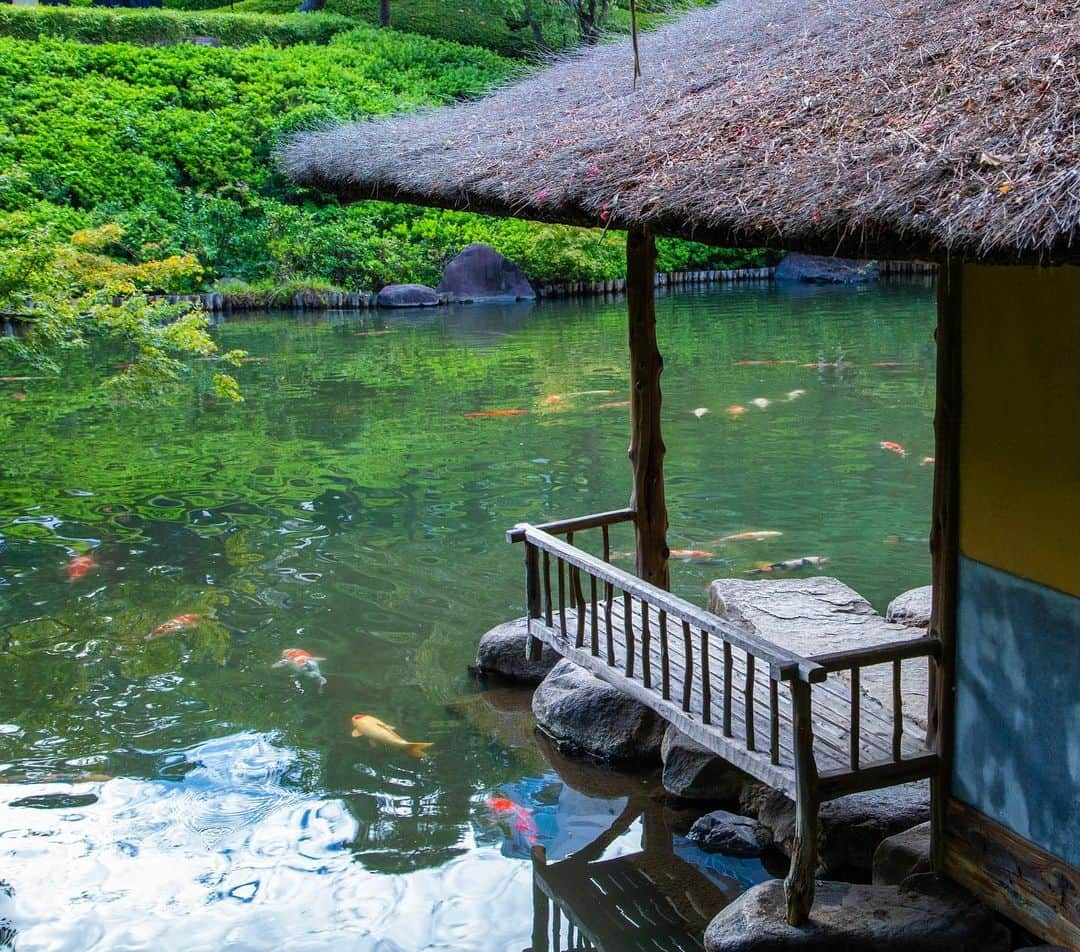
x=693 y=772
x=902 y=855
x=816 y=269
x=730 y=834
x=926 y=914
x=817 y=615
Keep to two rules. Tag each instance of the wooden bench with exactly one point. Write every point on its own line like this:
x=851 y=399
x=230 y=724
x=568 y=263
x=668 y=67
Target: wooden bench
x=800 y=724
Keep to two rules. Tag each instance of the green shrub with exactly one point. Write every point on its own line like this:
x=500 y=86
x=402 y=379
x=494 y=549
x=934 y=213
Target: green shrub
x=167 y=27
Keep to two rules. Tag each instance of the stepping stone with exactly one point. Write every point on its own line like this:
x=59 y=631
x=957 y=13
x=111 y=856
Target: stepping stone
x=902 y=855
x=583 y=714
x=730 y=834
x=926 y=914
x=502 y=651
x=911 y=608
x=407 y=295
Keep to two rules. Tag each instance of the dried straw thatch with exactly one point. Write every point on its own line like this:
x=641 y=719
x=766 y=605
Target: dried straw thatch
x=866 y=127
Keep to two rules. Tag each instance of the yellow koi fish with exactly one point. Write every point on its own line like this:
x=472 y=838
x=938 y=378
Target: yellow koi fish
x=369 y=726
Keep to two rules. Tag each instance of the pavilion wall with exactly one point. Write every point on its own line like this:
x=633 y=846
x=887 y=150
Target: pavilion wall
x=1013 y=818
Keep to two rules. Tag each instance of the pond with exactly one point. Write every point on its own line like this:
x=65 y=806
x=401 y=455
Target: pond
x=178 y=791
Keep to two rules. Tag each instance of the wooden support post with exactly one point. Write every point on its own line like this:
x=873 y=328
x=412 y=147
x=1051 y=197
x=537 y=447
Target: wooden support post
x=534 y=647
x=540 y=902
x=944 y=546
x=799 y=884
x=646 y=443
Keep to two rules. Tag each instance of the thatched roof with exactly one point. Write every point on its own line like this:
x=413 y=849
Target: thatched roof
x=864 y=127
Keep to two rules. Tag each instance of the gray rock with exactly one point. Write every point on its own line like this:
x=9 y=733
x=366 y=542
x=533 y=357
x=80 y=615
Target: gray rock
x=730 y=834
x=693 y=772
x=211 y=41
x=480 y=274
x=814 y=269
x=924 y=915
x=902 y=855
x=407 y=295
x=586 y=715
x=851 y=827
x=912 y=608
x=814 y=615
x=502 y=651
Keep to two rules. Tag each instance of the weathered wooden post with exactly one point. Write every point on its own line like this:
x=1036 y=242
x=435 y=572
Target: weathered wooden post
x=540 y=902
x=533 y=607
x=646 y=443
x=799 y=884
x=944 y=544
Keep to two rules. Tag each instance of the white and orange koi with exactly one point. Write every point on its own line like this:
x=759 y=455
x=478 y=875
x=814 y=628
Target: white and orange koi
x=302 y=662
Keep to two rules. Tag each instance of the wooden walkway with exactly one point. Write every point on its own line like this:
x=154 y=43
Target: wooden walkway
x=802 y=725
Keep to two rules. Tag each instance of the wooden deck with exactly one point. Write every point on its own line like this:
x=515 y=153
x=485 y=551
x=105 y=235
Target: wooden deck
x=802 y=725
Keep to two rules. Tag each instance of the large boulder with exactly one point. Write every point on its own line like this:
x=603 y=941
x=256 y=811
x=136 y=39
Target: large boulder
x=911 y=608
x=407 y=295
x=694 y=772
x=814 y=269
x=583 y=714
x=901 y=855
x=482 y=275
x=502 y=651
x=926 y=914
x=851 y=827
x=730 y=834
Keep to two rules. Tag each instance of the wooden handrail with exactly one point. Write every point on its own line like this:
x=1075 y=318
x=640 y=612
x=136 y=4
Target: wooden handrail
x=783 y=665
x=580 y=524
x=878 y=654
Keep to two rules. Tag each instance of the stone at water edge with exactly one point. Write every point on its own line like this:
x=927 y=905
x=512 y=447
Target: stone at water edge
x=481 y=275
x=730 y=834
x=693 y=772
x=815 y=269
x=407 y=295
x=902 y=855
x=502 y=651
x=851 y=827
x=911 y=608
x=926 y=914
x=583 y=714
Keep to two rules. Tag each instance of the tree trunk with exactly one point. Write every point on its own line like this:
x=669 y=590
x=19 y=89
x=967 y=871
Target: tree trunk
x=646 y=443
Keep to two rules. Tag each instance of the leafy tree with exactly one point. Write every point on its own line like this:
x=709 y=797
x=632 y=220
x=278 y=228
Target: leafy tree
x=66 y=293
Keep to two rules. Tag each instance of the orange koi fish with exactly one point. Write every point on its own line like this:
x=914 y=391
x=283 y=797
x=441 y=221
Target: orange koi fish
x=369 y=726
x=762 y=363
x=690 y=554
x=749 y=536
x=79 y=566
x=491 y=414
x=175 y=625
x=789 y=565
x=887 y=363
x=612 y=406
x=554 y=399
x=519 y=818
x=302 y=662
x=735 y=411
x=893 y=447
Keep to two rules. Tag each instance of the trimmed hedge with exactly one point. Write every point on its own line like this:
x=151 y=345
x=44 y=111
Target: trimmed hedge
x=168 y=27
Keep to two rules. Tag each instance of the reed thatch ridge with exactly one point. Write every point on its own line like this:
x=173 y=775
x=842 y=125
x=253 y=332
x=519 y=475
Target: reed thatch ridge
x=859 y=127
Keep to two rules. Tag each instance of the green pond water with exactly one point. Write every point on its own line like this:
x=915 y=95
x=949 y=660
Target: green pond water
x=350 y=507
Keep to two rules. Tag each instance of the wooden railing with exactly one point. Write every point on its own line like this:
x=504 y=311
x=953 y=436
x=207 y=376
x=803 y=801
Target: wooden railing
x=704 y=674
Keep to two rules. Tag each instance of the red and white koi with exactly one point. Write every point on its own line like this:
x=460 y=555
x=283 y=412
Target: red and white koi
x=175 y=626
x=79 y=566
x=302 y=662
x=520 y=819
x=893 y=447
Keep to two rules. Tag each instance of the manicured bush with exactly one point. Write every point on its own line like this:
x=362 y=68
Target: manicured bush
x=167 y=27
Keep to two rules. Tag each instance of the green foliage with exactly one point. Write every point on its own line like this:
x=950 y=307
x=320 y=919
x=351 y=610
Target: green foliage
x=69 y=294
x=167 y=27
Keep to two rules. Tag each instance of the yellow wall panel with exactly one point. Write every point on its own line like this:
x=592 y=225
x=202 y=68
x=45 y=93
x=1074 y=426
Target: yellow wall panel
x=1020 y=422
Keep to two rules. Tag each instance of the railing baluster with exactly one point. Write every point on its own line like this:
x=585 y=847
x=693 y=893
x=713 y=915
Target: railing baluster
x=547 y=588
x=532 y=598
x=578 y=601
x=570 y=541
x=592 y=617
x=562 y=597
x=628 y=630
x=774 y=721
x=609 y=626
x=749 y=691
x=688 y=674
x=728 y=669
x=665 y=661
x=898 y=713
x=556 y=928
x=706 y=684
x=607 y=544
x=855 y=711
x=646 y=646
